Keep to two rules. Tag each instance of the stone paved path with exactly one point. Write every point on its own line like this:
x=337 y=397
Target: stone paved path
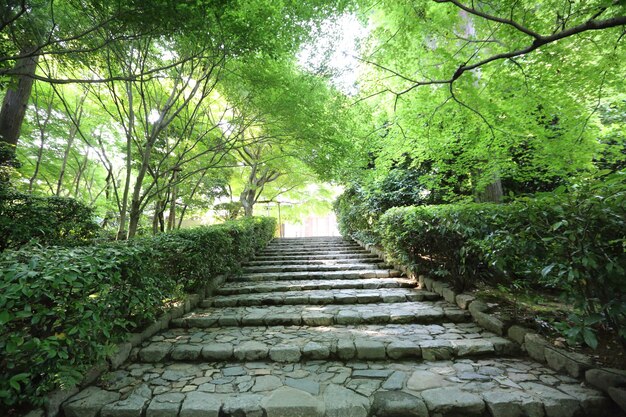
x=319 y=327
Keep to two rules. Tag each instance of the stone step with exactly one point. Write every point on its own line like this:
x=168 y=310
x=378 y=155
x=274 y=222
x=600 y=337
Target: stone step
x=327 y=257
x=296 y=343
x=308 y=275
x=314 y=249
x=305 y=248
x=466 y=387
x=313 y=239
x=419 y=312
x=321 y=297
x=343 y=261
x=232 y=288
x=328 y=254
x=314 y=245
x=315 y=268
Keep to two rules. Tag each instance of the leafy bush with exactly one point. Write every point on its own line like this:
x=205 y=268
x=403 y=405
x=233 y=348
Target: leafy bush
x=443 y=240
x=185 y=253
x=572 y=240
x=26 y=218
x=228 y=211
x=62 y=309
x=360 y=206
x=400 y=188
x=354 y=217
x=575 y=240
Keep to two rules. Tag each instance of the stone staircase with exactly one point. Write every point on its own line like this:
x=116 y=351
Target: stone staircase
x=320 y=327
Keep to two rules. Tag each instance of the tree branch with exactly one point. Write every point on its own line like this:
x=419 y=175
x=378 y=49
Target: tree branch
x=509 y=22
x=538 y=43
x=7 y=22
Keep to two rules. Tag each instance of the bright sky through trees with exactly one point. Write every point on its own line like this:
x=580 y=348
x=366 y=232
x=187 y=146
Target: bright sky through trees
x=334 y=52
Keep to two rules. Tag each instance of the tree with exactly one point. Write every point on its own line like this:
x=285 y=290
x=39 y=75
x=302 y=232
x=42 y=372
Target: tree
x=260 y=174
x=459 y=87
x=33 y=30
x=309 y=119
x=79 y=33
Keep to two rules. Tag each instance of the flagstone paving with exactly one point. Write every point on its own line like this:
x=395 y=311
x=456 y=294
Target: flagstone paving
x=318 y=327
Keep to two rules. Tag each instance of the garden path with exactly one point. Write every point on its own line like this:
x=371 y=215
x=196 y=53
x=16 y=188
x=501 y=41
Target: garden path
x=320 y=327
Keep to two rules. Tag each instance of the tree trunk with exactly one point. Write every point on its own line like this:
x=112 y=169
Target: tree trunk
x=171 y=219
x=33 y=178
x=135 y=203
x=133 y=218
x=66 y=154
x=107 y=196
x=493 y=193
x=193 y=193
x=247 y=201
x=157 y=219
x=15 y=102
x=121 y=231
x=82 y=167
x=42 y=139
x=70 y=143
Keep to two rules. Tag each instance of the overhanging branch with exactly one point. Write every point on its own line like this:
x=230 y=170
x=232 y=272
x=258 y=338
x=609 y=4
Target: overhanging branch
x=539 y=41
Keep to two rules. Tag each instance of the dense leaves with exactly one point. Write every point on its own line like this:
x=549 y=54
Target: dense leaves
x=496 y=101
x=361 y=204
x=192 y=255
x=136 y=106
x=25 y=218
x=531 y=121
x=572 y=241
x=63 y=309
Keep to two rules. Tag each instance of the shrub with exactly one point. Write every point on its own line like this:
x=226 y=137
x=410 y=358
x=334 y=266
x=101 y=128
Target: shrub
x=228 y=211
x=359 y=207
x=400 y=188
x=25 y=218
x=575 y=240
x=572 y=240
x=354 y=217
x=62 y=309
x=443 y=240
x=193 y=255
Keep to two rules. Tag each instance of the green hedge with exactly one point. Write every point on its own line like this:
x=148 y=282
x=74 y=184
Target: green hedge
x=63 y=309
x=185 y=253
x=439 y=240
x=25 y=218
x=572 y=240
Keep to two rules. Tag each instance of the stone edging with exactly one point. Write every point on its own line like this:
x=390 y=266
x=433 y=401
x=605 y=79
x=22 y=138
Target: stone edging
x=126 y=350
x=609 y=380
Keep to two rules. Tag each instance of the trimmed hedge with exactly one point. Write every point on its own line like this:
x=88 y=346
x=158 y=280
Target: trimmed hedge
x=25 y=218
x=440 y=240
x=201 y=252
x=571 y=240
x=62 y=310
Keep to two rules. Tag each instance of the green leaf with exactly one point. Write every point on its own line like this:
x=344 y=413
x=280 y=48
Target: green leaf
x=545 y=271
x=590 y=338
x=11 y=347
x=4 y=317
